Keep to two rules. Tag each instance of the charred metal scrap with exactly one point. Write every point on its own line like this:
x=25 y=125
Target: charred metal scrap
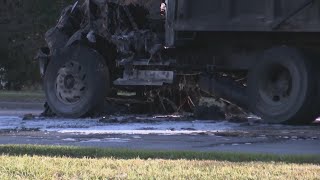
x=126 y=25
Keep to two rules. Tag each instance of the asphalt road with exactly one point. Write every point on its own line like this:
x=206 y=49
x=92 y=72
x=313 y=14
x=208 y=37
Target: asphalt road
x=159 y=133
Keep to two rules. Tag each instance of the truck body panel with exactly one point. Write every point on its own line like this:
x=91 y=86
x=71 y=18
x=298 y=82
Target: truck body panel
x=246 y=15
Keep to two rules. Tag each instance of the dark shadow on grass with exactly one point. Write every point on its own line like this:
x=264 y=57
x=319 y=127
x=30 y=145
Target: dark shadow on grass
x=80 y=152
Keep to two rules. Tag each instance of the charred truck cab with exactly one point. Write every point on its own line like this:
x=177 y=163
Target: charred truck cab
x=261 y=55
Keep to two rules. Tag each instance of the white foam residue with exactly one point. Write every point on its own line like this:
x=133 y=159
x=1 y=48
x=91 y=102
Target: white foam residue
x=110 y=140
x=93 y=126
x=117 y=140
x=68 y=139
x=141 y=132
x=168 y=128
x=9 y=122
x=136 y=137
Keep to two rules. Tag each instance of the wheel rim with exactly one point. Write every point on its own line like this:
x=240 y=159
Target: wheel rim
x=71 y=83
x=276 y=86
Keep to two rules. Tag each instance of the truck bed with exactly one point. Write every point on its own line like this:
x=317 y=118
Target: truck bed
x=245 y=15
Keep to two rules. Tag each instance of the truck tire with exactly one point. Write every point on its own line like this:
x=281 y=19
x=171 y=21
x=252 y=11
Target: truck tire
x=282 y=87
x=76 y=81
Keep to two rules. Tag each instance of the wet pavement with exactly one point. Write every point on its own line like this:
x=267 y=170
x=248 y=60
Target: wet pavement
x=161 y=133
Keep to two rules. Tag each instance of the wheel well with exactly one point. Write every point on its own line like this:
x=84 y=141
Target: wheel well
x=109 y=52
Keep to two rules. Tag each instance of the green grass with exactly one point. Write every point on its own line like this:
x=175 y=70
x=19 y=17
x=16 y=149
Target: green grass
x=21 y=95
x=48 y=162
x=80 y=152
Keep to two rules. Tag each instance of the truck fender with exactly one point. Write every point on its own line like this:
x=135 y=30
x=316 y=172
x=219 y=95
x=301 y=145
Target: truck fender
x=75 y=38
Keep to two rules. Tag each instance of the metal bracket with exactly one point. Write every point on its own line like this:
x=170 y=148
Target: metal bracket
x=145 y=78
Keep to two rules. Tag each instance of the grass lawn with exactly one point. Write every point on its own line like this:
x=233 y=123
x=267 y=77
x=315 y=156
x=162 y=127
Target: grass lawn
x=47 y=162
x=21 y=96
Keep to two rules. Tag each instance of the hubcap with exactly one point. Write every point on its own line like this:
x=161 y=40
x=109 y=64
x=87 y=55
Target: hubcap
x=276 y=86
x=70 y=83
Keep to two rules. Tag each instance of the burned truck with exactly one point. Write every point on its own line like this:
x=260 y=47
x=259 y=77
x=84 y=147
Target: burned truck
x=261 y=55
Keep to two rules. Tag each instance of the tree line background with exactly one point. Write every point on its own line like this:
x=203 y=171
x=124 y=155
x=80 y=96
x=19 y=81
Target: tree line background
x=23 y=24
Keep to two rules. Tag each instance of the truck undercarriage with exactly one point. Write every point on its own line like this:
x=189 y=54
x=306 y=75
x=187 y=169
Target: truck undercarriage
x=122 y=52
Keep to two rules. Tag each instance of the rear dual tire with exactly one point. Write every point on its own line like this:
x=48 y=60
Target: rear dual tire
x=282 y=87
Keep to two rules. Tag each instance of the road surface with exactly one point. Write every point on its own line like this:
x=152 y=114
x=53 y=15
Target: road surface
x=159 y=133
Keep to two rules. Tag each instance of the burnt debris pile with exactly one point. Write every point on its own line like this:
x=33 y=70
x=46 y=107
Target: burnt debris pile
x=128 y=28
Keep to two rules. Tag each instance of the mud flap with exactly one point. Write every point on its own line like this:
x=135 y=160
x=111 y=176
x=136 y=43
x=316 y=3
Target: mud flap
x=43 y=59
